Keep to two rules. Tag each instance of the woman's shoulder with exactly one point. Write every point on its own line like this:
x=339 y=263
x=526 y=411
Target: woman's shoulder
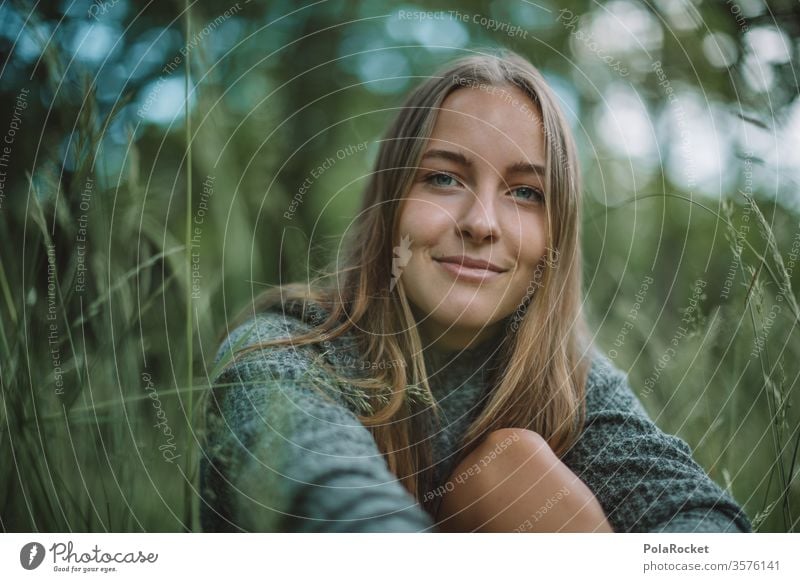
x=284 y=321
x=270 y=324
x=612 y=403
x=608 y=388
x=246 y=375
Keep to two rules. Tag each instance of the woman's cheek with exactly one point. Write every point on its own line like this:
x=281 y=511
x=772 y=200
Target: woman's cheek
x=425 y=220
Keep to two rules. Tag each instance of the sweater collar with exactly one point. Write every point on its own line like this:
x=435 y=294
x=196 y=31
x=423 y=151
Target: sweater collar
x=452 y=368
x=443 y=366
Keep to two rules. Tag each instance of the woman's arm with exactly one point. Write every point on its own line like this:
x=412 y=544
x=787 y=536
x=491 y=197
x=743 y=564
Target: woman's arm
x=284 y=457
x=645 y=479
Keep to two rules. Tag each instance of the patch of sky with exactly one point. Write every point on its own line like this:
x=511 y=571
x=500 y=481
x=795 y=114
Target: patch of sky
x=699 y=138
x=777 y=145
x=162 y=101
x=431 y=28
x=151 y=51
x=92 y=42
x=226 y=36
x=567 y=98
x=530 y=15
x=621 y=27
x=385 y=71
x=27 y=42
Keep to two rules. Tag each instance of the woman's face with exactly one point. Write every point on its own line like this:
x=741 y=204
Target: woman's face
x=477 y=195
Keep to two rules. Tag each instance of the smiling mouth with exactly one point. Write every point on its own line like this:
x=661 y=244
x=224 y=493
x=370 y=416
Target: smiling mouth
x=469 y=274
x=470 y=263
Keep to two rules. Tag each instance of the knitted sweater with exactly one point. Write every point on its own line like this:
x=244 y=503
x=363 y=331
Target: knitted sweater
x=281 y=455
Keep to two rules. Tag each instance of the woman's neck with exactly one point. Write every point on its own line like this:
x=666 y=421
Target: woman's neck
x=480 y=351
x=450 y=339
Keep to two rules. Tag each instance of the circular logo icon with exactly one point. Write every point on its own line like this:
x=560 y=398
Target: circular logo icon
x=31 y=555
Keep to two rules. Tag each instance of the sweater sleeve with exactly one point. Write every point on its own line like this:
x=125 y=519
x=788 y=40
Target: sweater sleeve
x=286 y=453
x=645 y=480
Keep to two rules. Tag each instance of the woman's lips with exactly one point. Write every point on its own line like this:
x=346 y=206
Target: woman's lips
x=469 y=274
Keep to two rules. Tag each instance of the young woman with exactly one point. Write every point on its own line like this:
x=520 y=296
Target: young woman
x=443 y=378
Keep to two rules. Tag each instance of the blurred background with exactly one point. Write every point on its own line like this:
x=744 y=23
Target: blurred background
x=162 y=162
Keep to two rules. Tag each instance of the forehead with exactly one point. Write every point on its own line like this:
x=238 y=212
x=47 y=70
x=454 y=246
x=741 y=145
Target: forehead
x=492 y=119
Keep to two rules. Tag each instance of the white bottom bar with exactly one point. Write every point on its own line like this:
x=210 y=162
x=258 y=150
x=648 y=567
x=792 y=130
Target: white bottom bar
x=400 y=557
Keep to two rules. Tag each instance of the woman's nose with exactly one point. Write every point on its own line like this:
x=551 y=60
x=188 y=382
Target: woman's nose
x=478 y=218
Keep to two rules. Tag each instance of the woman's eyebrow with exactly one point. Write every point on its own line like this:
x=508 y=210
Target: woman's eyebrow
x=462 y=160
x=525 y=168
x=448 y=155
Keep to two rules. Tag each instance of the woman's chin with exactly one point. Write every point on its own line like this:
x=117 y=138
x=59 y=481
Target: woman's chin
x=468 y=314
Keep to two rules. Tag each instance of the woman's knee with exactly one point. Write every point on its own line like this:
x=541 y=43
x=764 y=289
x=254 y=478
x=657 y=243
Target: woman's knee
x=515 y=447
x=502 y=454
x=505 y=437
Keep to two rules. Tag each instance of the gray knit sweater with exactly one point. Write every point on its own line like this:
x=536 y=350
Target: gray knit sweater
x=283 y=456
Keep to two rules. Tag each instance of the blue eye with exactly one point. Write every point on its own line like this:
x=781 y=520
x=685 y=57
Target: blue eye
x=442 y=180
x=532 y=194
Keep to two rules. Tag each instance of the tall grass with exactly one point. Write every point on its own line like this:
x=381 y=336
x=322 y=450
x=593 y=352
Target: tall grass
x=731 y=402
x=79 y=434
x=188 y=245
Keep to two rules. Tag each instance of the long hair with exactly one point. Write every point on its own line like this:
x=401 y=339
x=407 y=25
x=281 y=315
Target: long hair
x=542 y=371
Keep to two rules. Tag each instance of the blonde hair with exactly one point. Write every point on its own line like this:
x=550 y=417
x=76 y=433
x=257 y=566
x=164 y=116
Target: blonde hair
x=540 y=381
